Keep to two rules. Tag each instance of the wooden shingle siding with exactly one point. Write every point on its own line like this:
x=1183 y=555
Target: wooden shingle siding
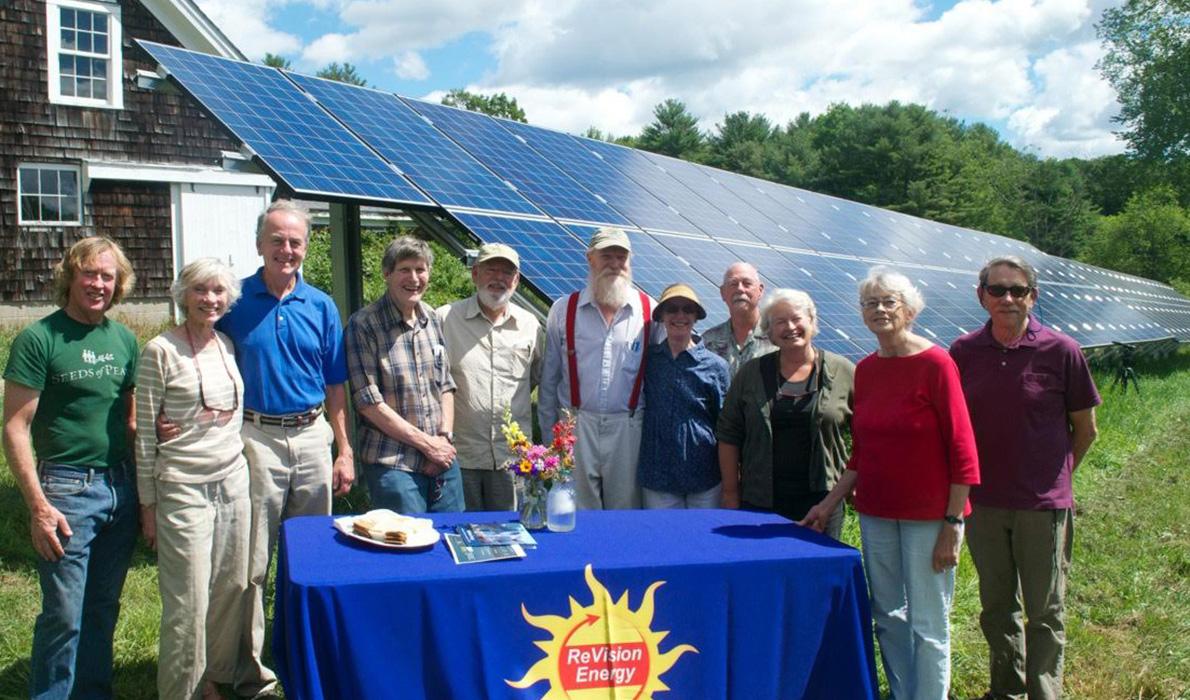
x=152 y=128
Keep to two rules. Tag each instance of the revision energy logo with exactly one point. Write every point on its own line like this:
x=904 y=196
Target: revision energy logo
x=603 y=650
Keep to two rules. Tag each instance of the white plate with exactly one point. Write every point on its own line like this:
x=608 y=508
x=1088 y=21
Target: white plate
x=421 y=539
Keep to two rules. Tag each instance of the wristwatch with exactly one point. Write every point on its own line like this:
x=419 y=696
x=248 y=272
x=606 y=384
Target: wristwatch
x=953 y=519
x=450 y=436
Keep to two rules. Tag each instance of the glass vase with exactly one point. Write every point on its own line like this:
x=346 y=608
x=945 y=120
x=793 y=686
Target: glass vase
x=560 y=507
x=533 y=504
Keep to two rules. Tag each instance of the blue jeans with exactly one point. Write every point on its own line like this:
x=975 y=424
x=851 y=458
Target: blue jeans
x=80 y=593
x=409 y=493
x=910 y=605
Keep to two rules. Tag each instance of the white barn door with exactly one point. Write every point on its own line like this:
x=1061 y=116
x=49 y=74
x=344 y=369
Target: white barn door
x=218 y=221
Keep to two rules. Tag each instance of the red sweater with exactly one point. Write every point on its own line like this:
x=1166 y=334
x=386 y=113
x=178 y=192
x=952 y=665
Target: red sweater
x=911 y=435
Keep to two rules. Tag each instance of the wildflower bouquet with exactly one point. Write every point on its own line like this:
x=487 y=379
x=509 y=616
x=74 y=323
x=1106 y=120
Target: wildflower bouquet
x=549 y=463
x=538 y=467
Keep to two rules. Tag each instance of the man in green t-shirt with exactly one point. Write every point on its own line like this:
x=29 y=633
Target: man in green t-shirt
x=68 y=421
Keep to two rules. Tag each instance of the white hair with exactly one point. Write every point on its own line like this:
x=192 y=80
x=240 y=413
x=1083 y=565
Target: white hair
x=886 y=279
x=205 y=270
x=799 y=300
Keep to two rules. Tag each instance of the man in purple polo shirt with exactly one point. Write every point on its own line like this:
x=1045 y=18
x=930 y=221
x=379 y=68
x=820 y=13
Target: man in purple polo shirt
x=1032 y=404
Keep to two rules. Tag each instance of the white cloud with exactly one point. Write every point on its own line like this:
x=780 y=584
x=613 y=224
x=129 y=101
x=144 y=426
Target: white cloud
x=1071 y=114
x=410 y=66
x=1027 y=65
x=329 y=48
x=246 y=23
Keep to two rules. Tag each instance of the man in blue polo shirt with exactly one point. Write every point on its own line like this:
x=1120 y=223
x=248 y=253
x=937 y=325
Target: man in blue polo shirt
x=289 y=347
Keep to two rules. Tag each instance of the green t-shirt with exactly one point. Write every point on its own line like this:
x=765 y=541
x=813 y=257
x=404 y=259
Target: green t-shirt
x=83 y=373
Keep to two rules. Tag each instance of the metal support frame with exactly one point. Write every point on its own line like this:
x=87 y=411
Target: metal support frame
x=346 y=266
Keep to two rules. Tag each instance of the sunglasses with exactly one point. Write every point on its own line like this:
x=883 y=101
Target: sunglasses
x=1019 y=291
x=682 y=308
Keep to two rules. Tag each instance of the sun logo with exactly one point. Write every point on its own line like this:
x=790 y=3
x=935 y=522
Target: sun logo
x=604 y=650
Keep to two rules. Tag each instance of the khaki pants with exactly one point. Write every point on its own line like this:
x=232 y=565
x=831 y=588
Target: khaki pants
x=290 y=470
x=606 y=452
x=489 y=489
x=202 y=571
x=1023 y=558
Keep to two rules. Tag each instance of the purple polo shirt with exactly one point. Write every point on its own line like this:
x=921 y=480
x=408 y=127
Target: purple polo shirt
x=1019 y=398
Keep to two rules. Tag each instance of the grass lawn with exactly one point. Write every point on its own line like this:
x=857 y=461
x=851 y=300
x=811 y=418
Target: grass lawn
x=1128 y=615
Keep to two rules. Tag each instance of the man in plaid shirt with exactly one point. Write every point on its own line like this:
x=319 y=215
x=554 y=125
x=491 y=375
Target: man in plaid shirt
x=403 y=391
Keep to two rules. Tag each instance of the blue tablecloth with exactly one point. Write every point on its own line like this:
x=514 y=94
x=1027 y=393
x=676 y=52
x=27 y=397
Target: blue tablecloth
x=709 y=604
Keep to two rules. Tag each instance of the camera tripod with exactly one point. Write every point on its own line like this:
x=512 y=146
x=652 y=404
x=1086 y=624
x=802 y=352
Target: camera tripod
x=1124 y=371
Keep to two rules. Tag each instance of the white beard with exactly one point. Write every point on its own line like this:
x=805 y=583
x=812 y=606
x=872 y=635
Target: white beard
x=493 y=300
x=610 y=289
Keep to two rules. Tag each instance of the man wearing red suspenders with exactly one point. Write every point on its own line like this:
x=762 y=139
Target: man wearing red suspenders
x=594 y=364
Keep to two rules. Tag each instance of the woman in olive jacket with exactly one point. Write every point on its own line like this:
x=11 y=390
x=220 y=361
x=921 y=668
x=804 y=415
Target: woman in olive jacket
x=782 y=431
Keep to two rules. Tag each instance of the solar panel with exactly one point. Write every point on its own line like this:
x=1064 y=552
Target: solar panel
x=704 y=181
x=555 y=192
x=446 y=172
x=580 y=163
x=302 y=145
x=502 y=180
x=553 y=260
x=676 y=195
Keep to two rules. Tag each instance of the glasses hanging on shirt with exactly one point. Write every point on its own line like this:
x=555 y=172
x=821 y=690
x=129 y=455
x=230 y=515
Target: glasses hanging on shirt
x=202 y=396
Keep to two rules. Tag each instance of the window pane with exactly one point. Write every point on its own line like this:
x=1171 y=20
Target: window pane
x=82 y=87
x=66 y=18
x=49 y=181
x=50 y=210
x=68 y=182
x=100 y=43
x=99 y=88
x=29 y=209
x=68 y=40
x=70 y=208
x=66 y=86
x=84 y=41
x=83 y=66
x=65 y=64
x=29 y=181
x=99 y=67
x=84 y=20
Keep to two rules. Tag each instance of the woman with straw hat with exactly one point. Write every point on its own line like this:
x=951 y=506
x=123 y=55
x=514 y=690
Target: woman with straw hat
x=684 y=387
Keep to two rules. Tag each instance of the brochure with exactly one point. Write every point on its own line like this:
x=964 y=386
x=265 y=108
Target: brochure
x=487 y=534
x=465 y=554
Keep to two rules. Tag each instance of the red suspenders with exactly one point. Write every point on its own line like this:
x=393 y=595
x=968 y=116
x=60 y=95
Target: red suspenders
x=572 y=358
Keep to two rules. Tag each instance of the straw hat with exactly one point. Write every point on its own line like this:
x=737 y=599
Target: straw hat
x=678 y=291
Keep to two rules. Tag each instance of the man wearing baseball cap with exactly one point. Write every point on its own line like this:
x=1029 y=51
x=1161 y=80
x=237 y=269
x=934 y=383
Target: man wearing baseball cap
x=594 y=365
x=494 y=349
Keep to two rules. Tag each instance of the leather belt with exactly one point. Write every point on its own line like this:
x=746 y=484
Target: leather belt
x=295 y=420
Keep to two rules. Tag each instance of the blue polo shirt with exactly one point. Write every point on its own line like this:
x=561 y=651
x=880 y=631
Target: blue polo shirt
x=289 y=350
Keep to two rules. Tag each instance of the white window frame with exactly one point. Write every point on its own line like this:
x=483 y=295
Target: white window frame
x=114 y=56
x=78 y=193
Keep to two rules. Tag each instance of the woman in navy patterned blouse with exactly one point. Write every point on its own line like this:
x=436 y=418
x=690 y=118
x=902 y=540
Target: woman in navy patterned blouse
x=684 y=388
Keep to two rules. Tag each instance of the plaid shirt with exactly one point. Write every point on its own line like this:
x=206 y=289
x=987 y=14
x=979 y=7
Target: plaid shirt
x=403 y=365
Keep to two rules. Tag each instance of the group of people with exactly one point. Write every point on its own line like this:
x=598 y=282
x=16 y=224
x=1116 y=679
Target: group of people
x=223 y=426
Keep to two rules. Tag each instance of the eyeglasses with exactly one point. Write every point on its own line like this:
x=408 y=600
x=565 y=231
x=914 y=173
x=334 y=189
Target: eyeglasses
x=683 y=309
x=202 y=396
x=1019 y=291
x=887 y=303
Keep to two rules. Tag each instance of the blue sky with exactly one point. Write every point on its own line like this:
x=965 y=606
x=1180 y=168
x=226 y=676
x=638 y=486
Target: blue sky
x=1026 y=67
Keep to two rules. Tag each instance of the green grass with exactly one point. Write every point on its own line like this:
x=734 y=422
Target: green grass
x=1128 y=618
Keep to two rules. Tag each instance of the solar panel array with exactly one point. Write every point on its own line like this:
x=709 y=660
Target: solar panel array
x=544 y=192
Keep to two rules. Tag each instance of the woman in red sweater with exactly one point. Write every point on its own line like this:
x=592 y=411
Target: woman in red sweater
x=912 y=463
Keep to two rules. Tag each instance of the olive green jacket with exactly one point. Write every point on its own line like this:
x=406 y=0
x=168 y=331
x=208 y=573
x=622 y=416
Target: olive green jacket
x=745 y=421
